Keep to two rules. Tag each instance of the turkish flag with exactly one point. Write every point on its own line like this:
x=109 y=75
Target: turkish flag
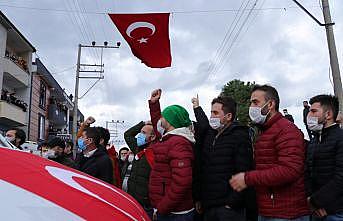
x=147 y=35
x=33 y=188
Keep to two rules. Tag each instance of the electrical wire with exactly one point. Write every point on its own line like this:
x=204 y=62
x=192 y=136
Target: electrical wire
x=175 y=12
x=89 y=89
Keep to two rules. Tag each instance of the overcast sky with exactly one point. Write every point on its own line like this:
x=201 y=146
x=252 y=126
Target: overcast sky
x=279 y=45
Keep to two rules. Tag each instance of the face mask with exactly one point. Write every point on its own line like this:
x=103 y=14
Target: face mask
x=255 y=114
x=215 y=123
x=160 y=129
x=141 y=139
x=49 y=154
x=10 y=139
x=123 y=158
x=81 y=144
x=130 y=158
x=313 y=125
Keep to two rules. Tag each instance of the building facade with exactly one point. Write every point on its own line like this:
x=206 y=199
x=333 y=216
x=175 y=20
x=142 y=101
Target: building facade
x=15 y=76
x=51 y=108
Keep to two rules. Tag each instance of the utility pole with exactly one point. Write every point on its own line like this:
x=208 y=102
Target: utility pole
x=336 y=76
x=328 y=24
x=77 y=78
x=113 y=133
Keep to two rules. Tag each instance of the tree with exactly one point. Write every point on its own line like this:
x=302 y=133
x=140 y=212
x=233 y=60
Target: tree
x=239 y=91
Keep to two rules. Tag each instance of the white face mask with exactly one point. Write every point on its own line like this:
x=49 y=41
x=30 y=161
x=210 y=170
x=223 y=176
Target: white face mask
x=255 y=114
x=123 y=158
x=130 y=158
x=215 y=123
x=49 y=154
x=313 y=125
x=10 y=139
x=160 y=129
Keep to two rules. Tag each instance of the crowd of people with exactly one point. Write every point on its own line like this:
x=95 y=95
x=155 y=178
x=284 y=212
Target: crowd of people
x=217 y=169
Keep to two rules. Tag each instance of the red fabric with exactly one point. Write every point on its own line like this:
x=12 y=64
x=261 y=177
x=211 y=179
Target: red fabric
x=170 y=186
x=116 y=170
x=87 y=197
x=279 y=157
x=149 y=155
x=147 y=35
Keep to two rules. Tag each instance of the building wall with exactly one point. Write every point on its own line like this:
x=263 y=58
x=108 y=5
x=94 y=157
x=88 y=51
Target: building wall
x=3 y=37
x=36 y=109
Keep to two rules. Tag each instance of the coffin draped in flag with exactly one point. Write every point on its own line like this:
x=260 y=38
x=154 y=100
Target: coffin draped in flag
x=33 y=188
x=147 y=35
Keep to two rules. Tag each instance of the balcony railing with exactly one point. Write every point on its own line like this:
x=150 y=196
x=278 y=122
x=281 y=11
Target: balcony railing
x=13 y=72
x=11 y=113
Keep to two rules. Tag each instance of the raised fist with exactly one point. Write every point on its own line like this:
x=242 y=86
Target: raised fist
x=155 y=95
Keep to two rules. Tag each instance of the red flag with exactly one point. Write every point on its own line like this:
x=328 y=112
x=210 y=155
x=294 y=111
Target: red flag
x=147 y=35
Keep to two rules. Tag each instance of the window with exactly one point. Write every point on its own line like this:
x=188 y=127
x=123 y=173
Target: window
x=42 y=95
x=41 y=127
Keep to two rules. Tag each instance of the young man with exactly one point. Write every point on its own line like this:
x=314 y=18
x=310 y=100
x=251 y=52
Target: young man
x=225 y=151
x=170 y=185
x=324 y=161
x=16 y=136
x=56 y=148
x=94 y=160
x=279 y=161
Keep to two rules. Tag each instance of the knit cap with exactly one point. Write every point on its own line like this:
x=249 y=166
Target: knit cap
x=177 y=116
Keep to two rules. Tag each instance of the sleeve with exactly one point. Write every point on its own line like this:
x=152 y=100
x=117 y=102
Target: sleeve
x=202 y=122
x=130 y=139
x=105 y=170
x=289 y=167
x=334 y=188
x=180 y=162
x=243 y=162
x=307 y=173
x=81 y=129
x=155 y=115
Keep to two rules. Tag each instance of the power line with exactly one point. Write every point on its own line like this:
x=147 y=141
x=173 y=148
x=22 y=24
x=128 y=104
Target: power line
x=228 y=50
x=175 y=12
x=226 y=38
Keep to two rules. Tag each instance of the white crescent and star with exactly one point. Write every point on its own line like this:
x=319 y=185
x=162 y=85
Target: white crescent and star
x=133 y=26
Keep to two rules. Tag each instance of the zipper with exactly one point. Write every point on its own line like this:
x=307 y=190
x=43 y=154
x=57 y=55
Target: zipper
x=163 y=187
x=272 y=198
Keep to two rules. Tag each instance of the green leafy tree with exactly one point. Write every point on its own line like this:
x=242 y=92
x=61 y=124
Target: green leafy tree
x=240 y=91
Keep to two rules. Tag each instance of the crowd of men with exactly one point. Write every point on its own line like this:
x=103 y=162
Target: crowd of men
x=217 y=169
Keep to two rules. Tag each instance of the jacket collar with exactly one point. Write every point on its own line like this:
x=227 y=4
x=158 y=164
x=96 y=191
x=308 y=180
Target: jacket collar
x=272 y=120
x=183 y=132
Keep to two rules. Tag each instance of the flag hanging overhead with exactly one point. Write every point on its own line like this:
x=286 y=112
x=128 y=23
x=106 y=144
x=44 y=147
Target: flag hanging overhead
x=147 y=35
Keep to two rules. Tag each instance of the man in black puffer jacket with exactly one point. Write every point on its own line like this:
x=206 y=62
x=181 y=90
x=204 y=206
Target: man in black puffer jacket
x=225 y=150
x=324 y=160
x=94 y=160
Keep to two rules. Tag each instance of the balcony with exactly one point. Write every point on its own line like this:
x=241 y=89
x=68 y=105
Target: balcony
x=11 y=115
x=15 y=75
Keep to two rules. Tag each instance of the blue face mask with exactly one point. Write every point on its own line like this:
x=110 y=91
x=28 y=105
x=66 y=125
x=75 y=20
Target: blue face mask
x=141 y=139
x=81 y=144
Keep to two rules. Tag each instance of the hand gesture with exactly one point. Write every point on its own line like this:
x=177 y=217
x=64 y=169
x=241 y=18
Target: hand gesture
x=89 y=121
x=155 y=95
x=195 y=101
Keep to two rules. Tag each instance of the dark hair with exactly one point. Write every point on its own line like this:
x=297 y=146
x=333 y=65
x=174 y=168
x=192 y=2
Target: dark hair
x=19 y=133
x=56 y=141
x=104 y=134
x=70 y=143
x=271 y=93
x=123 y=148
x=42 y=145
x=229 y=105
x=93 y=133
x=328 y=102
